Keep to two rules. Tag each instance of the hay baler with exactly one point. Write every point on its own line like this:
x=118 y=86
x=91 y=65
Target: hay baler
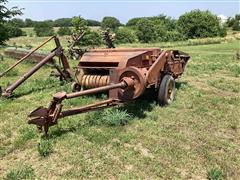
x=124 y=73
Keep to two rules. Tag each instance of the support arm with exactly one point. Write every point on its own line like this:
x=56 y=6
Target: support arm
x=46 y=117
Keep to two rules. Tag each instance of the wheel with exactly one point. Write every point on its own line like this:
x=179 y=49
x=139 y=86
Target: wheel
x=75 y=87
x=166 y=90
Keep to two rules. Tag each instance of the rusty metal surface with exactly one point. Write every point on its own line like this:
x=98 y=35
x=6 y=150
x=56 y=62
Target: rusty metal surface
x=46 y=117
x=123 y=73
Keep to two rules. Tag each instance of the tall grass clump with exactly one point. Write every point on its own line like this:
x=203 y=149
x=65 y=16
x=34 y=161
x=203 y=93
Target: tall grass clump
x=215 y=174
x=45 y=147
x=110 y=117
x=22 y=172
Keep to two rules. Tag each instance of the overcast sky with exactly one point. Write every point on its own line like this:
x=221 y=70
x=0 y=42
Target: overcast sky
x=122 y=9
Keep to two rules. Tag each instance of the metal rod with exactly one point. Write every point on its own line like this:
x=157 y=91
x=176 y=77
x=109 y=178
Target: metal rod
x=96 y=90
x=87 y=108
x=26 y=56
x=29 y=73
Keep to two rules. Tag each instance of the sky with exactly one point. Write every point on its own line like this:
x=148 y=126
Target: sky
x=121 y=9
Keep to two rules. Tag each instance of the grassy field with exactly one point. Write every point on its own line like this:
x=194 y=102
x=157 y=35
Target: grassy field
x=197 y=137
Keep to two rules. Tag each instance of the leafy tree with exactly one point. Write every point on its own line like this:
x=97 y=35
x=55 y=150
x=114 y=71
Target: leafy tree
x=63 y=22
x=199 y=24
x=168 y=23
x=91 y=22
x=163 y=28
x=234 y=22
x=6 y=14
x=110 y=22
x=79 y=24
x=29 y=23
x=230 y=21
x=50 y=22
x=146 y=31
x=43 y=29
x=63 y=31
x=125 y=35
x=173 y=36
x=162 y=19
x=90 y=38
x=3 y=34
x=18 y=22
x=14 y=30
x=133 y=22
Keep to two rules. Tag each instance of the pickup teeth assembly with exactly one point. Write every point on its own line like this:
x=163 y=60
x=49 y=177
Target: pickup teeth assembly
x=93 y=81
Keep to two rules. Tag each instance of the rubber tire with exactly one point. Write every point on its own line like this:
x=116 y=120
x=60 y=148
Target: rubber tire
x=163 y=98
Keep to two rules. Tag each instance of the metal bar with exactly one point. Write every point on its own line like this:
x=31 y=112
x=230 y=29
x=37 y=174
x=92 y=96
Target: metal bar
x=59 y=70
x=29 y=73
x=90 y=107
x=27 y=55
x=96 y=90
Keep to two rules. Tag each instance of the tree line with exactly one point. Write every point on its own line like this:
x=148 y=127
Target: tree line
x=161 y=28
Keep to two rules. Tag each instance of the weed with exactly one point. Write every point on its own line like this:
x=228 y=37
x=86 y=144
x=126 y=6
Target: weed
x=22 y=172
x=215 y=174
x=235 y=69
x=45 y=147
x=110 y=117
x=115 y=117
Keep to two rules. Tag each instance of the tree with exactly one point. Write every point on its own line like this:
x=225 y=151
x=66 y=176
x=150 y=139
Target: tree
x=63 y=22
x=199 y=24
x=29 y=23
x=91 y=22
x=125 y=35
x=79 y=25
x=14 y=30
x=236 y=23
x=43 y=29
x=146 y=31
x=63 y=31
x=18 y=22
x=6 y=14
x=90 y=38
x=133 y=22
x=110 y=22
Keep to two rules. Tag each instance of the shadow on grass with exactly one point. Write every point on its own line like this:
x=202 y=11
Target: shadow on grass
x=136 y=109
x=38 y=85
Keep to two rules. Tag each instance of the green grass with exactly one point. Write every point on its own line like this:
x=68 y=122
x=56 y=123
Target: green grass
x=197 y=137
x=21 y=172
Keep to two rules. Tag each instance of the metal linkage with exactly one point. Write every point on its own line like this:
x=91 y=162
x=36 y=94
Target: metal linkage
x=46 y=117
x=58 y=51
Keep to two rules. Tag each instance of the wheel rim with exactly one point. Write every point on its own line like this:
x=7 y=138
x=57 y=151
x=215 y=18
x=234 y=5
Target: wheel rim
x=170 y=91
